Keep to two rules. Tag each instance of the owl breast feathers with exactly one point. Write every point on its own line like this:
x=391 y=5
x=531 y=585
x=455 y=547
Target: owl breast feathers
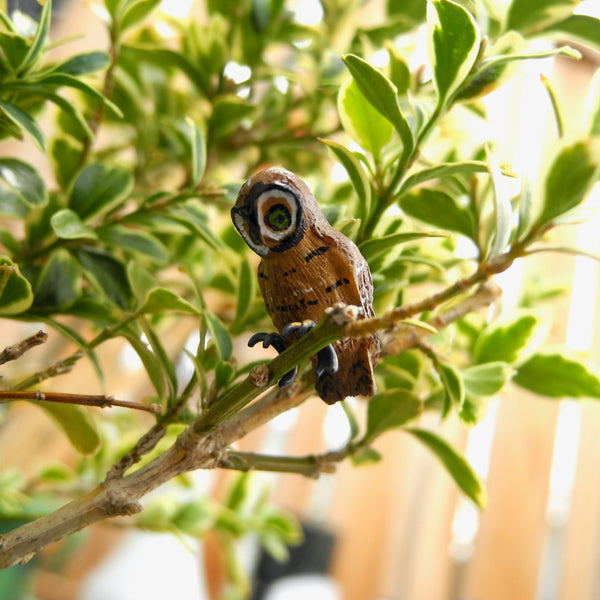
x=307 y=266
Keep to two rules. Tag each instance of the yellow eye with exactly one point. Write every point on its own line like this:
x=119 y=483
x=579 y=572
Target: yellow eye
x=278 y=217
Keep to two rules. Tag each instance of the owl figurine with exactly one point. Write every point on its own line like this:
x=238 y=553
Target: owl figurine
x=306 y=266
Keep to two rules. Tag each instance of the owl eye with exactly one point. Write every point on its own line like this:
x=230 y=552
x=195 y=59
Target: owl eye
x=278 y=217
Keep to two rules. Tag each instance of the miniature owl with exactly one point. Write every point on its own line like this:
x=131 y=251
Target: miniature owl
x=307 y=266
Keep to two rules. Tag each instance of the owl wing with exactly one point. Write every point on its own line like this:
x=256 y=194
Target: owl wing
x=350 y=265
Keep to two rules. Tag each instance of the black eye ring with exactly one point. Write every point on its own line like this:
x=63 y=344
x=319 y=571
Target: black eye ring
x=278 y=217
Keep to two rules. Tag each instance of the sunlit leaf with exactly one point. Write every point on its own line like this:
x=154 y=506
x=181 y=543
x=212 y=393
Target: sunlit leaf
x=558 y=376
x=356 y=173
x=487 y=379
x=453 y=42
x=502 y=207
x=363 y=123
x=439 y=209
x=459 y=469
x=571 y=175
x=382 y=95
x=505 y=341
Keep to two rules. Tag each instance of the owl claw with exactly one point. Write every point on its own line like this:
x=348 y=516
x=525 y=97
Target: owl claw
x=278 y=342
x=327 y=361
x=268 y=339
x=288 y=378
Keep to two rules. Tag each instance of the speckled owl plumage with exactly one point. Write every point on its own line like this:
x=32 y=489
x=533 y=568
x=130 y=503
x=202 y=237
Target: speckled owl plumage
x=307 y=266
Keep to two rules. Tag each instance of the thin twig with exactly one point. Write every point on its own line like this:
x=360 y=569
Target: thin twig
x=81 y=399
x=60 y=367
x=17 y=350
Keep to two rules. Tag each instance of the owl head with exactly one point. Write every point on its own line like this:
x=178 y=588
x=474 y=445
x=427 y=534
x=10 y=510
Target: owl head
x=272 y=211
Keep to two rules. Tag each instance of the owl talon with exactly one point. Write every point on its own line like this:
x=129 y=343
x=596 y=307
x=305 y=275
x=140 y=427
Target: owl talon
x=288 y=378
x=268 y=339
x=297 y=329
x=327 y=361
x=278 y=342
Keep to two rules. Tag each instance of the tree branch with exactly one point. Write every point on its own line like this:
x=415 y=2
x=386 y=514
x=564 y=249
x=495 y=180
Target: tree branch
x=81 y=399
x=17 y=350
x=204 y=444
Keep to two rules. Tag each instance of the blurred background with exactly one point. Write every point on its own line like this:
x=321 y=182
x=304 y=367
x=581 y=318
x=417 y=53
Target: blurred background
x=398 y=529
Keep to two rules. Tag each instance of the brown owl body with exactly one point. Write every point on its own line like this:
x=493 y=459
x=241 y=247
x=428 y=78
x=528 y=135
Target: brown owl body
x=307 y=266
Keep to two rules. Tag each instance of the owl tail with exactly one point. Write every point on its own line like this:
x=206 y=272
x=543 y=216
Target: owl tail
x=354 y=376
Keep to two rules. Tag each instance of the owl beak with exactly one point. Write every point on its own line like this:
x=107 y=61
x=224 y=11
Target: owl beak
x=248 y=218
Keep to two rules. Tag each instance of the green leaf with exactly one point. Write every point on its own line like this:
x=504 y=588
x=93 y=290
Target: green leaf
x=85 y=63
x=389 y=410
x=21 y=188
x=136 y=12
x=66 y=224
x=8 y=240
x=39 y=38
x=439 y=209
x=196 y=221
x=530 y=16
x=58 y=284
x=198 y=146
x=67 y=107
x=375 y=247
x=107 y=273
x=412 y=10
x=356 y=173
x=505 y=342
x=62 y=79
x=16 y=295
x=453 y=44
x=65 y=154
x=365 y=455
x=502 y=207
x=526 y=212
x=459 y=469
x=453 y=386
x=382 y=95
x=77 y=424
x=361 y=121
x=151 y=362
x=220 y=335
x=14 y=48
x=467 y=167
x=582 y=27
x=141 y=243
x=571 y=175
x=24 y=122
x=245 y=297
x=164 y=362
x=558 y=376
x=487 y=379
x=592 y=114
x=161 y=300
x=99 y=189
x=238 y=492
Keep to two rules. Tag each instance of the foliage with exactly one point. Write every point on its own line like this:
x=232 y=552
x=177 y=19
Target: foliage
x=135 y=234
